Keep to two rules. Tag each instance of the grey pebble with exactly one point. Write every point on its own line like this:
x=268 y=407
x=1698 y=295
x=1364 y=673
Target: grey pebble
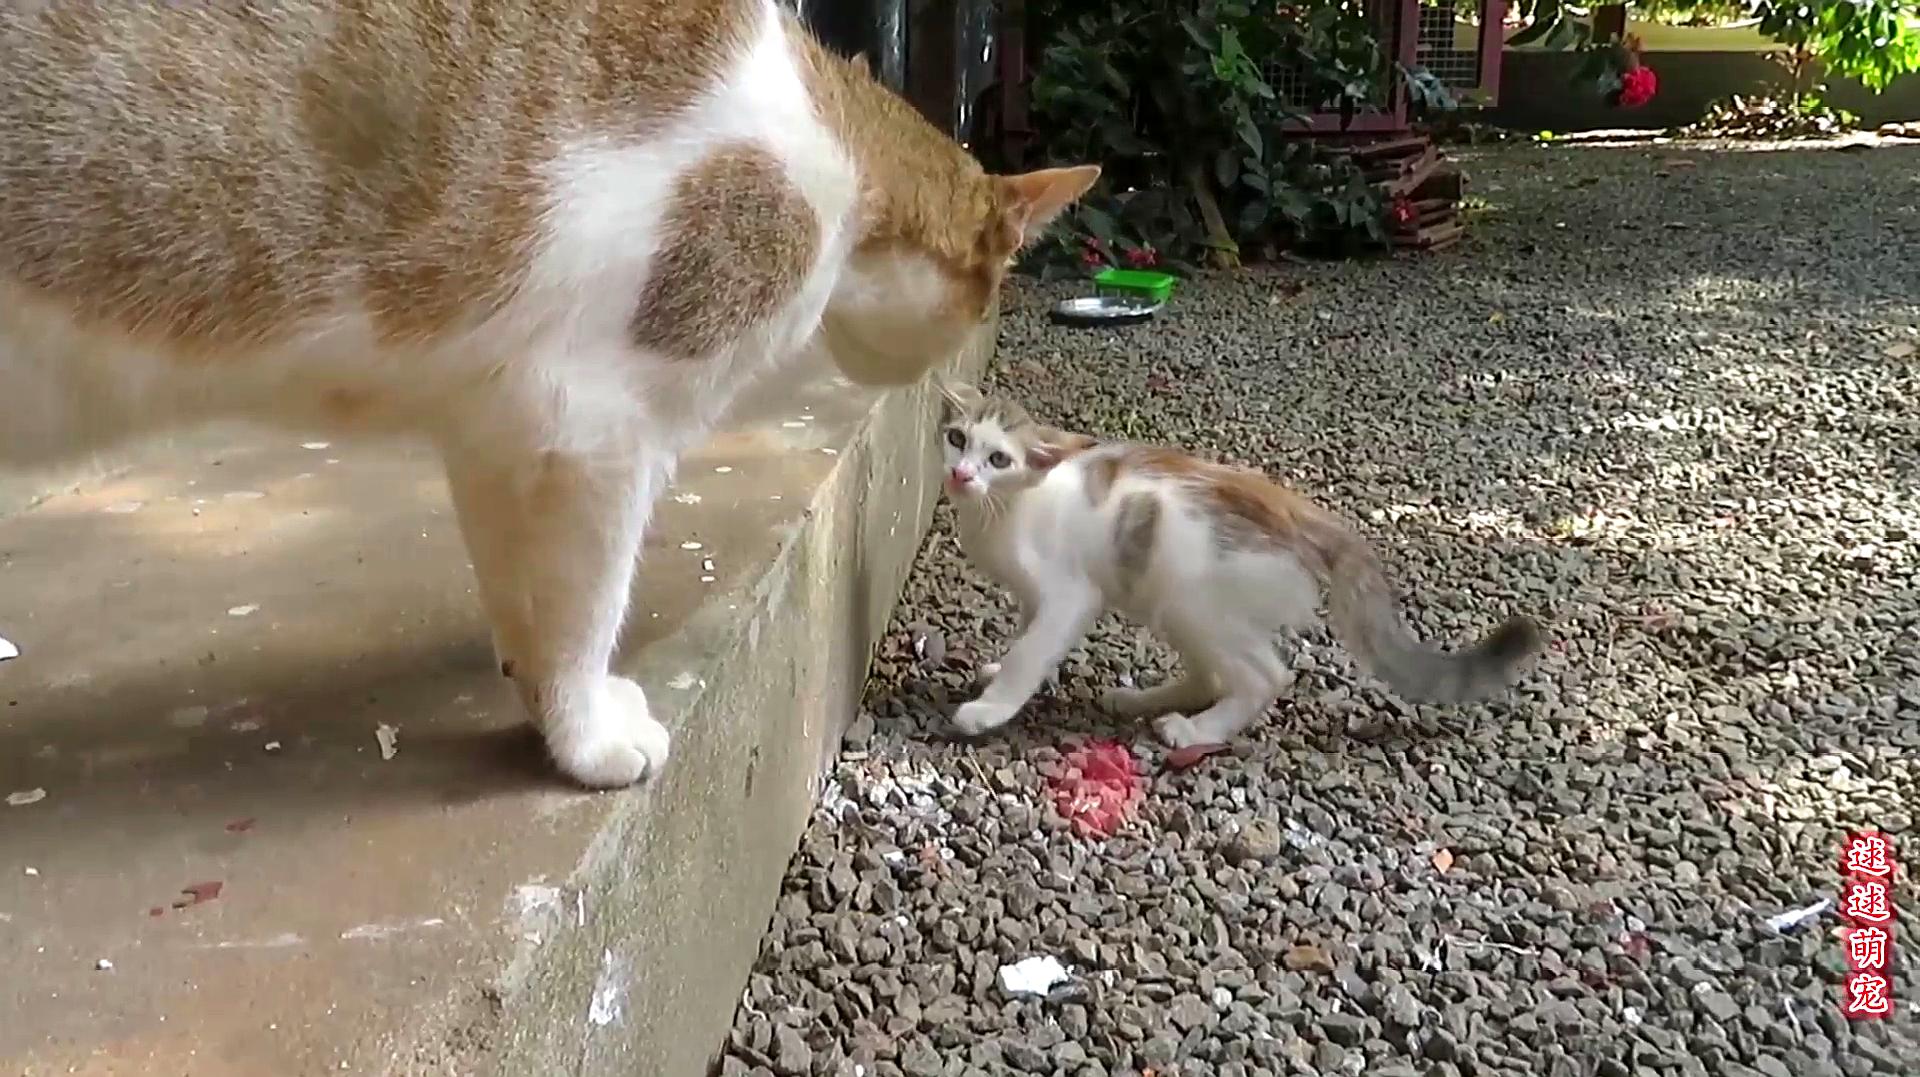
x=792 y=1057
x=1343 y=1029
x=1259 y=840
x=1719 y=1005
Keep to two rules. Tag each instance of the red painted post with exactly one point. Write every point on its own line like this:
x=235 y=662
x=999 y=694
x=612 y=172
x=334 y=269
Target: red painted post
x=1493 y=42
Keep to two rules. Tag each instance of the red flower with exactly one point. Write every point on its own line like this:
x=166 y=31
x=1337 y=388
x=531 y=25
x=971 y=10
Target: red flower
x=1637 y=87
x=1092 y=258
x=1403 y=212
x=1142 y=257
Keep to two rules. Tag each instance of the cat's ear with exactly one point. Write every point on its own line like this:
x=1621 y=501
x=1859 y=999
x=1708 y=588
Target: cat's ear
x=1030 y=201
x=860 y=61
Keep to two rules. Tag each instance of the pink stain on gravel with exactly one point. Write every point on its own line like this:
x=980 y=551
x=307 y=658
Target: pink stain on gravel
x=1096 y=787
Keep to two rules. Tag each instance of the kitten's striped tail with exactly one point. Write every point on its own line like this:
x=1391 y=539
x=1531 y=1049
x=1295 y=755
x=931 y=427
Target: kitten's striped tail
x=1366 y=619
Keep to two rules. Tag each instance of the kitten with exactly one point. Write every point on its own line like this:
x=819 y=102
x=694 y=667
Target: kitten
x=555 y=236
x=1220 y=561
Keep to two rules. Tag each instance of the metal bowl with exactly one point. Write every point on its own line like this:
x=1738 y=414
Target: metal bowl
x=1092 y=310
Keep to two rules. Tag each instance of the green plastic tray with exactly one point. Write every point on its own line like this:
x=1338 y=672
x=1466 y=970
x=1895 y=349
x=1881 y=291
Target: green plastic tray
x=1143 y=282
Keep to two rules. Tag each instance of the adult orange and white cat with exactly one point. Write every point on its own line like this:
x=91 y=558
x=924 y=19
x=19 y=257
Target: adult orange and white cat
x=555 y=236
x=1221 y=562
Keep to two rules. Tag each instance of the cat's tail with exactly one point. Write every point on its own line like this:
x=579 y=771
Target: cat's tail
x=1367 y=620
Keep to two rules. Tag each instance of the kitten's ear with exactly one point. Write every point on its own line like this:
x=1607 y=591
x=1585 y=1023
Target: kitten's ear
x=956 y=399
x=1045 y=455
x=1030 y=201
x=1050 y=446
x=860 y=61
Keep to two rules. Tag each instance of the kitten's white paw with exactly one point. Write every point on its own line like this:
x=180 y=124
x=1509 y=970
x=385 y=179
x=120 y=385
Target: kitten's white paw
x=990 y=671
x=1124 y=702
x=617 y=743
x=980 y=716
x=1178 y=731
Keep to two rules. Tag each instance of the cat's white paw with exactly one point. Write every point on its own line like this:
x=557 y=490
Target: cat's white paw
x=616 y=743
x=989 y=671
x=1179 y=731
x=980 y=716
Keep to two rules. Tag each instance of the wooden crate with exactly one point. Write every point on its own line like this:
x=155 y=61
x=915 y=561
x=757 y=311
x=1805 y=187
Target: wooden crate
x=1411 y=167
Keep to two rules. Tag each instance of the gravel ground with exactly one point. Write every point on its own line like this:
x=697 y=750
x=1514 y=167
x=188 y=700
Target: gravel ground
x=1668 y=401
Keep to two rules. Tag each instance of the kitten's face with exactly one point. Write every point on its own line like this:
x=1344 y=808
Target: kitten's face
x=986 y=448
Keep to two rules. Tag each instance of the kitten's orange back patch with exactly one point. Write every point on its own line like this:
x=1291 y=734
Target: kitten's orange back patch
x=1247 y=507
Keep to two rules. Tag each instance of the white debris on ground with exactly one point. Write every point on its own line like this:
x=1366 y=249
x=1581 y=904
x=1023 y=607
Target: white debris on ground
x=1033 y=976
x=388 y=738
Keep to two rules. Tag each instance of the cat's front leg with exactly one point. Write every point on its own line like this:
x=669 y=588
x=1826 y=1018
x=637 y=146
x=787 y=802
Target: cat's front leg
x=1023 y=611
x=490 y=514
x=1059 y=621
x=559 y=535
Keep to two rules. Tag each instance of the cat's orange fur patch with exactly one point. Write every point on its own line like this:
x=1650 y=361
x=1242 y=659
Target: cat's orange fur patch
x=739 y=241
x=647 y=61
x=968 y=223
x=402 y=173
x=942 y=212
x=1254 y=509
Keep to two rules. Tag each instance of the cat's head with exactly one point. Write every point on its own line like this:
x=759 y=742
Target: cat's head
x=912 y=296
x=990 y=446
x=938 y=233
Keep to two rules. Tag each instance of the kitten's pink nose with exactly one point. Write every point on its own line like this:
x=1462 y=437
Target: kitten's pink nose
x=960 y=476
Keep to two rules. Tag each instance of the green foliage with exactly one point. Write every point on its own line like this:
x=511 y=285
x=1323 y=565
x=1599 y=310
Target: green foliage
x=1874 y=41
x=1178 y=101
x=1550 y=25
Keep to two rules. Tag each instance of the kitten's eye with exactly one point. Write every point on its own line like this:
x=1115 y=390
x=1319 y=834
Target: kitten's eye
x=956 y=439
x=999 y=459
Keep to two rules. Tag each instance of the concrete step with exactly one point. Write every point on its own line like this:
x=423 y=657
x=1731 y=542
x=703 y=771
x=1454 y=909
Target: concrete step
x=217 y=634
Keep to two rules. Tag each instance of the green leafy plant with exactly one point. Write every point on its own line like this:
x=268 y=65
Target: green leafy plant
x=1551 y=24
x=1874 y=41
x=1193 y=107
